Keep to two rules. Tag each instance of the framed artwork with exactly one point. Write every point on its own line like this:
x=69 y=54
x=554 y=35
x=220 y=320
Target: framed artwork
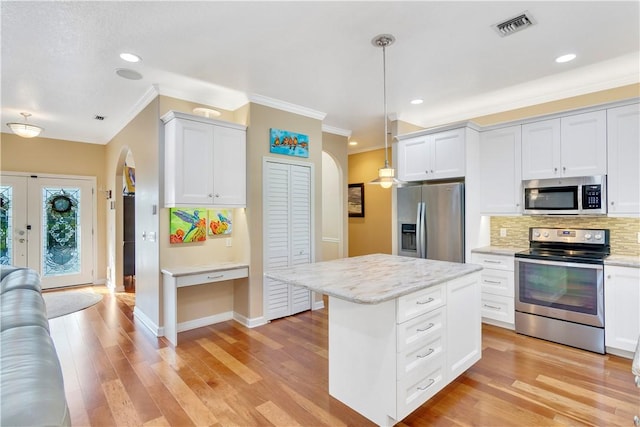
x=220 y=222
x=187 y=225
x=288 y=143
x=355 y=199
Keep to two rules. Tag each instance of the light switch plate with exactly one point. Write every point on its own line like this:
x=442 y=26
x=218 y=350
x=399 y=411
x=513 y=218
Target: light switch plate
x=503 y=232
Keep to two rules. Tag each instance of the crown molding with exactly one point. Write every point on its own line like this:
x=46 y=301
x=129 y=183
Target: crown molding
x=287 y=106
x=336 y=131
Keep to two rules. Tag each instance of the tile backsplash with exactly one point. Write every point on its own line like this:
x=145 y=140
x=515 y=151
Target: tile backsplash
x=624 y=231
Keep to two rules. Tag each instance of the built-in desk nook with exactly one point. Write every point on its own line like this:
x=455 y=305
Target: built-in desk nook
x=179 y=277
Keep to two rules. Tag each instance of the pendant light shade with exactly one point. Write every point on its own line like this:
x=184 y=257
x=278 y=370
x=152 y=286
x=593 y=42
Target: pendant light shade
x=386 y=174
x=25 y=129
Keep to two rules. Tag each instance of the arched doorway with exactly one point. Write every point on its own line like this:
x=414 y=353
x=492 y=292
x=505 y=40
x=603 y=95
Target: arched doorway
x=129 y=223
x=333 y=212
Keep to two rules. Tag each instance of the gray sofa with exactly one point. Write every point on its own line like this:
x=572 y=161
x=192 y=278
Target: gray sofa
x=31 y=384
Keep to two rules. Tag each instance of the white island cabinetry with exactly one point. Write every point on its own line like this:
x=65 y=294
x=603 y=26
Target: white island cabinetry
x=204 y=162
x=395 y=342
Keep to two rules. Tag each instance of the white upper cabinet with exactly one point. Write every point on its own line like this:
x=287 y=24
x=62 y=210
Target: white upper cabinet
x=623 y=146
x=435 y=156
x=565 y=147
x=500 y=171
x=204 y=162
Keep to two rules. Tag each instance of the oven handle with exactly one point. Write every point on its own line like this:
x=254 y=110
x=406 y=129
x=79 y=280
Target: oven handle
x=561 y=264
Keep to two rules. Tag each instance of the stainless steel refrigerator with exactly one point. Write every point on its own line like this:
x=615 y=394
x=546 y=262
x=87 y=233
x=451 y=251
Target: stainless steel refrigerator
x=431 y=221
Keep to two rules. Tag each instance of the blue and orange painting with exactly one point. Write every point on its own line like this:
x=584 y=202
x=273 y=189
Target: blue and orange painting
x=288 y=143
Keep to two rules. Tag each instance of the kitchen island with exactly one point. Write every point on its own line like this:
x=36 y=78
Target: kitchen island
x=400 y=329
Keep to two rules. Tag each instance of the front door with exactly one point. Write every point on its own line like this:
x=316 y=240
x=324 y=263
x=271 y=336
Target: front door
x=46 y=223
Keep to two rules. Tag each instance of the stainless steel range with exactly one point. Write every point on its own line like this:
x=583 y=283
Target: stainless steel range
x=560 y=286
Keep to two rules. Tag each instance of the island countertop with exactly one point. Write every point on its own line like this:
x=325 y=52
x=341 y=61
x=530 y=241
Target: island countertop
x=371 y=279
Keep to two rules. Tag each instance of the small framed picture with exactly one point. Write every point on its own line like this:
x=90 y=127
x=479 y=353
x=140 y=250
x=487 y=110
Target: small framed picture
x=356 y=200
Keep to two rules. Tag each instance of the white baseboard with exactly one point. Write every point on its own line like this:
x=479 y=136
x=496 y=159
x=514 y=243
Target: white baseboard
x=617 y=352
x=100 y=282
x=249 y=323
x=148 y=323
x=204 y=321
x=499 y=323
x=317 y=305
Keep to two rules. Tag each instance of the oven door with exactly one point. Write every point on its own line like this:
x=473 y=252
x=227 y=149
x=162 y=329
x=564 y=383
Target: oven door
x=561 y=290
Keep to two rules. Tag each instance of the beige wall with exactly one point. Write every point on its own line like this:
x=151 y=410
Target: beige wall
x=371 y=234
x=141 y=136
x=60 y=157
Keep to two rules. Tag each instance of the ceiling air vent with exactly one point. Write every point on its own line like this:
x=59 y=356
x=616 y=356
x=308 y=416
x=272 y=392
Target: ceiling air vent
x=515 y=24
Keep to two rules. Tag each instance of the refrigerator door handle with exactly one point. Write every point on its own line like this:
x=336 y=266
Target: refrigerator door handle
x=424 y=230
x=420 y=231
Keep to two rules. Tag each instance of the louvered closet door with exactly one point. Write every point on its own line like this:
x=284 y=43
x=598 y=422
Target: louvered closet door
x=287 y=237
x=300 y=231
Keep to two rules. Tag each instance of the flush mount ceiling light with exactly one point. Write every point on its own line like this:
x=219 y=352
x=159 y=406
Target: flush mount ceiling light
x=566 y=58
x=386 y=173
x=353 y=143
x=130 y=57
x=25 y=129
x=206 y=112
x=416 y=101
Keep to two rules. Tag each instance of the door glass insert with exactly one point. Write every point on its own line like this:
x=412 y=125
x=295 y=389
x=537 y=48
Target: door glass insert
x=6 y=225
x=61 y=226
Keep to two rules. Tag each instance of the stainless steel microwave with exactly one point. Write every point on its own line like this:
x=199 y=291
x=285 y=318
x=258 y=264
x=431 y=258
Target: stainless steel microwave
x=565 y=196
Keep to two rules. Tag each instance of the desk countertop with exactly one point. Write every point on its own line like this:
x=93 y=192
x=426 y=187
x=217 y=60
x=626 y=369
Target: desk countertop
x=199 y=269
x=371 y=279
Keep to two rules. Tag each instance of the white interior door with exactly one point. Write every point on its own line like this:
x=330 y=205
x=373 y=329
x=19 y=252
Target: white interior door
x=55 y=217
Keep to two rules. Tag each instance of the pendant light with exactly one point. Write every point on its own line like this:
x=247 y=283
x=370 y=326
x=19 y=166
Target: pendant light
x=386 y=173
x=25 y=129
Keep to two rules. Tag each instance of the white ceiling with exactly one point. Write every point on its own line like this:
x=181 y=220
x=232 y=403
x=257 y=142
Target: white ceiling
x=59 y=59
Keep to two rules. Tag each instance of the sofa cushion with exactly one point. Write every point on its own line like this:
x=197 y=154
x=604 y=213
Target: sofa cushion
x=22 y=307
x=20 y=279
x=31 y=383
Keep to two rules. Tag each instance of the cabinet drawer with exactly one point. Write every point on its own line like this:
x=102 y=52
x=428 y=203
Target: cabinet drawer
x=497 y=262
x=420 y=328
x=417 y=303
x=418 y=355
x=498 y=307
x=214 y=276
x=497 y=282
x=416 y=389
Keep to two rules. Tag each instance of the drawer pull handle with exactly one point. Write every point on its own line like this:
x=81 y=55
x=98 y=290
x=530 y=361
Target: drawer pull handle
x=217 y=276
x=492 y=306
x=429 y=326
x=431 y=381
x=490 y=261
x=422 y=356
x=425 y=302
x=493 y=282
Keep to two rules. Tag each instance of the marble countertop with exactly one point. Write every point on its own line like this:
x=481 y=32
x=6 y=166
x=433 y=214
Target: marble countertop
x=623 y=260
x=371 y=279
x=199 y=269
x=498 y=250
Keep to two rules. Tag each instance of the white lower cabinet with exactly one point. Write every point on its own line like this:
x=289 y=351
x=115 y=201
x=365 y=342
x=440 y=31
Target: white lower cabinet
x=621 y=302
x=387 y=359
x=498 y=288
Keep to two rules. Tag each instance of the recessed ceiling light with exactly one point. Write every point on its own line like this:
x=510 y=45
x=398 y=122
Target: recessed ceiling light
x=417 y=101
x=126 y=73
x=352 y=143
x=130 y=57
x=566 y=58
x=206 y=112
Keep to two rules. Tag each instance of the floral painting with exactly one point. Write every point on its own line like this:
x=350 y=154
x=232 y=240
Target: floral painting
x=187 y=225
x=220 y=221
x=288 y=143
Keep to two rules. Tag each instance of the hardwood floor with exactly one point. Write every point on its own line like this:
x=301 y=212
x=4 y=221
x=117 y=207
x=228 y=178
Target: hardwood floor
x=117 y=373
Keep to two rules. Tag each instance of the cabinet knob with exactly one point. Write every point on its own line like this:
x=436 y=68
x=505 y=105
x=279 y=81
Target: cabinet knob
x=210 y=195
x=555 y=170
x=564 y=169
x=427 y=171
x=612 y=203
